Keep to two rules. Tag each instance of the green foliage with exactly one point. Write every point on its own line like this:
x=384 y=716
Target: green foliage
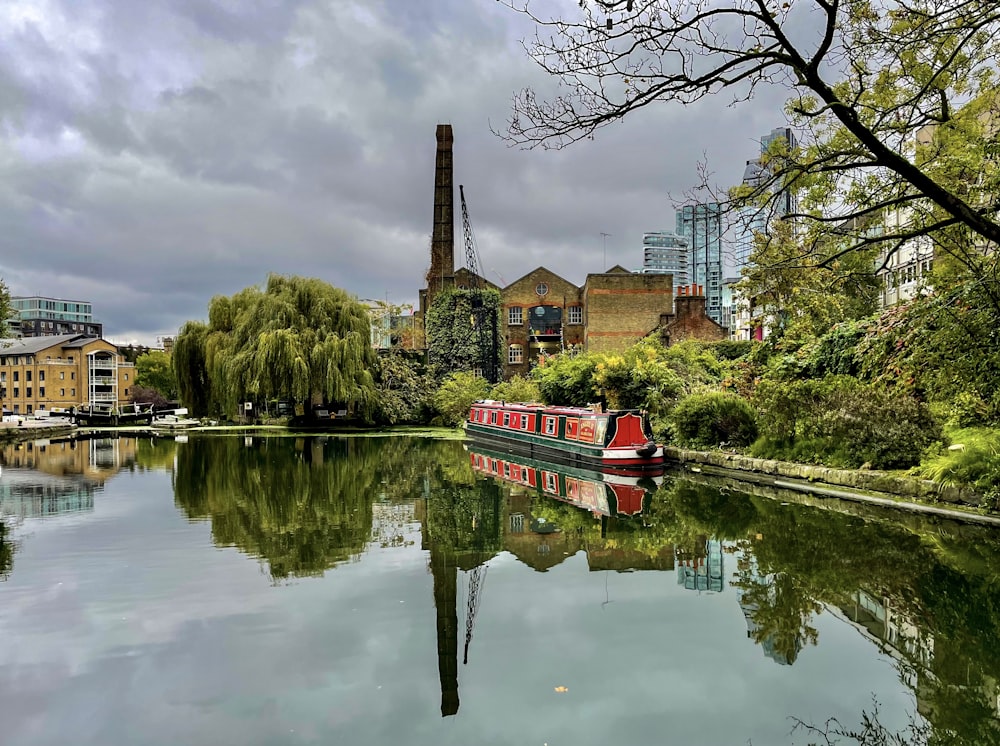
x=194 y=385
x=730 y=349
x=567 y=379
x=839 y=421
x=453 y=341
x=300 y=339
x=404 y=390
x=972 y=460
x=944 y=346
x=714 y=418
x=836 y=352
x=154 y=370
x=641 y=377
x=455 y=395
x=518 y=389
x=6 y=309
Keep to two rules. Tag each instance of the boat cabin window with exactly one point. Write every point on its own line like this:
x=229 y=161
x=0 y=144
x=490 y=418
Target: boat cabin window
x=506 y=419
x=524 y=422
x=572 y=428
x=551 y=482
x=550 y=425
x=493 y=418
x=506 y=469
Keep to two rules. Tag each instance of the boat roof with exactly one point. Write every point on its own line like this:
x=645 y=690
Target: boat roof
x=537 y=407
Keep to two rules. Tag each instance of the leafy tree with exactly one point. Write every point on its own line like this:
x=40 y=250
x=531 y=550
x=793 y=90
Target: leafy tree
x=797 y=294
x=456 y=394
x=154 y=371
x=299 y=338
x=143 y=395
x=713 y=418
x=567 y=379
x=864 y=77
x=518 y=388
x=404 y=389
x=6 y=309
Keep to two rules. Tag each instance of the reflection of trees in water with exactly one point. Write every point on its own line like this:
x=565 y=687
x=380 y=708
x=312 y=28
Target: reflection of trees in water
x=7 y=549
x=302 y=504
x=938 y=596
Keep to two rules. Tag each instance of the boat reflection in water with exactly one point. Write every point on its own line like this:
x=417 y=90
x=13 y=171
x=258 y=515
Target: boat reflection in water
x=604 y=493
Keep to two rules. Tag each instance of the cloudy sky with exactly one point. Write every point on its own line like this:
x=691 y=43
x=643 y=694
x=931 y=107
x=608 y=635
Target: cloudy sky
x=154 y=154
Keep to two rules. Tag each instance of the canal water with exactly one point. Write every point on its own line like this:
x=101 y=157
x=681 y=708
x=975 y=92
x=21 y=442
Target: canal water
x=387 y=590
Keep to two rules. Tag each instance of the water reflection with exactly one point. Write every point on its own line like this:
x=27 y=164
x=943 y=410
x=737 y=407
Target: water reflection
x=922 y=593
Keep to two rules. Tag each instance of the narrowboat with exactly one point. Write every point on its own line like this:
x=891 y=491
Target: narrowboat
x=580 y=436
x=608 y=493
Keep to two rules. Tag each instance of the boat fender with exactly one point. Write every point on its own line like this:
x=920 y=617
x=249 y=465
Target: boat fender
x=647 y=450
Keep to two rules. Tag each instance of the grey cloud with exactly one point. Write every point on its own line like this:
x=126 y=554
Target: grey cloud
x=180 y=150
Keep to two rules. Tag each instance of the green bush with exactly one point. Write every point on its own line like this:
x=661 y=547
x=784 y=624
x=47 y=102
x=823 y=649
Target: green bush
x=567 y=379
x=518 y=389
x=842 y=422
x=454 y=397
x=712 y=419
x=731 y=349
x=973 y=460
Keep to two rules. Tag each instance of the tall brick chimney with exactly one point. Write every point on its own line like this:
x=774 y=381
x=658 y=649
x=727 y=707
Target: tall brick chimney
x=443 y=236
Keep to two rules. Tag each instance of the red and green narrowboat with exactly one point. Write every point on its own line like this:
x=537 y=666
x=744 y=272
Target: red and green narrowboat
x=617 y=439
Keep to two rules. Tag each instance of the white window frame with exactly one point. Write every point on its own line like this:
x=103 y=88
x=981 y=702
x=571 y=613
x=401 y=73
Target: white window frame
x=515 y=316
x=575 y=315
x=515 y=354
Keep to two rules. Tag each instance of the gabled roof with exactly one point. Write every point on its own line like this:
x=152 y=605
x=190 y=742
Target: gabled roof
x=32 y=345
x=542 y=269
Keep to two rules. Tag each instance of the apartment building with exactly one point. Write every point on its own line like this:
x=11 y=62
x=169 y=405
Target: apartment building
x=62 y=371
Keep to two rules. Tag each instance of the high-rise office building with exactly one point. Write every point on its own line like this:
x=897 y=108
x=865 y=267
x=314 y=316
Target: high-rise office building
x=701 y=224
x=754 y=220
x=666 y=253
x=41 y=316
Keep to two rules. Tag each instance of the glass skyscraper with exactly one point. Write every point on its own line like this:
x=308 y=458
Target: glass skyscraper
x=754 y=220
x=701 y=224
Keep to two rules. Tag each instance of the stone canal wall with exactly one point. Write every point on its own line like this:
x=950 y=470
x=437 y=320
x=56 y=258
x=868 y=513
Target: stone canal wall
x=841 y=483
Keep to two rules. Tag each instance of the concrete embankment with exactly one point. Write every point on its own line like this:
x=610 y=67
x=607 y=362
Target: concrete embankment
x=25 y=430
x=783 y=479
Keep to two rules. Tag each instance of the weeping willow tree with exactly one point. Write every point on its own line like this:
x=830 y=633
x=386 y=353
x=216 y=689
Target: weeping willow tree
x=298 y=338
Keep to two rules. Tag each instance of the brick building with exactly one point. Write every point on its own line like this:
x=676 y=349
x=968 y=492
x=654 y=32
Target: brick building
x=690 y=319
x=63 y=371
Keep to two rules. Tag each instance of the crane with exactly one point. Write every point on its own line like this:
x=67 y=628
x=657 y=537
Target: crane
x=477 y=579
x=484 y=319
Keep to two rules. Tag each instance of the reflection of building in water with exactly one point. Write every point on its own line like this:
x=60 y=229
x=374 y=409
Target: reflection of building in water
x=393 y=524
x=31 y=494
x=700 y=568
x=879 y=621
x=95 y=459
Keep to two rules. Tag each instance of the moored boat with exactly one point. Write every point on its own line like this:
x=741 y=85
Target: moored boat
x=617 y=439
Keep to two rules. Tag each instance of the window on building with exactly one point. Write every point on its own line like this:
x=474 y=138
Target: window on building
x=62 y=392
x=17 y=375
x=126 y=376
x=27 y=375
x=29 y=410
x=62 y=375
x=17 y=392
x=41 y=376
x=576 y=314
x=542 y=289
x=515 y=316
x=72 y=373
x=126 y=392
x=3 y=377
x=41 y=392
x=72 y=392
x=27 y=391
x=17 y=408
x=515 y=354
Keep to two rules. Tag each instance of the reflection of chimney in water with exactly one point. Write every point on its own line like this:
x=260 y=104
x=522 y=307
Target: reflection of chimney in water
x=445 y=572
